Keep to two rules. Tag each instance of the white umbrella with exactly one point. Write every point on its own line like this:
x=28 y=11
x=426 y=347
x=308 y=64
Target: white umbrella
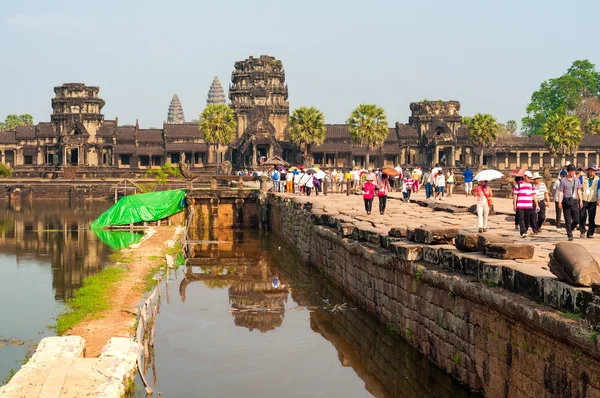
x=320 y=174
x=488 y=175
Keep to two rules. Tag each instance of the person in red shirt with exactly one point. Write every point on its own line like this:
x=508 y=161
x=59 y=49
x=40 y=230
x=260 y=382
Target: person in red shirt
x=368 y=192
x=382 y=190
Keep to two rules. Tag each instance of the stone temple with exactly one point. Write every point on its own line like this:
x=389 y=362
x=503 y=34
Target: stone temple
x=175 y=114
x=216 y=95
x=78 y=136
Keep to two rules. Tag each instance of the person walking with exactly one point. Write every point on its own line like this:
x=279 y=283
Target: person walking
x=541 y=192
x=416 y=176
x=450 y=182
x=483 y=193
x=407 y=185
x=555 y=191
x=289 y=182
x=569 y=196
x=382 y=190
x=428 y=181
x=590 y=197
x=309 y=183
x=440 y=184
x=468 y=176
x=368 y=192
x=524 y=205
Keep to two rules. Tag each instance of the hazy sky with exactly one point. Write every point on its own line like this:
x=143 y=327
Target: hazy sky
x=489 y=55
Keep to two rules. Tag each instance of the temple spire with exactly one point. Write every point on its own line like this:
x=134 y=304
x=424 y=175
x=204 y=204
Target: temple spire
x=216 y=95
x=175 y=114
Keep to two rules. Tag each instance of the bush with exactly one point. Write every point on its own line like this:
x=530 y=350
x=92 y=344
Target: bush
x=5 y=170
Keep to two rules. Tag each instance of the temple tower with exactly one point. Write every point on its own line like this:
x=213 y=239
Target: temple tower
x=76 y=110
x=258 y=95
x=437 y=124
x=175 y=114
x=216 y=94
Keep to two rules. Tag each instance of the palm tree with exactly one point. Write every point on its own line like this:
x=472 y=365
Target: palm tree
x=481 y=129
x=307 y=127
x=368 y=127
x=562 y=133
x=592 y=127
x=217 y=124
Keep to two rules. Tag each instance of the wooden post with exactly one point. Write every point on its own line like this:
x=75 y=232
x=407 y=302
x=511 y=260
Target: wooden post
x=324 y=186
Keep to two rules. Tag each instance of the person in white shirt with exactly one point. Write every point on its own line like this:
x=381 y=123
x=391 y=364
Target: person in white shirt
x=289 y=182
x=297 y=178
x=440 y=184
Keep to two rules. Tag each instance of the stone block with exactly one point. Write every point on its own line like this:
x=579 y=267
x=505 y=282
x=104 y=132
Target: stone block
x=345 y=229
x=398 y=232
x=572 y=263
x=407 y=251
x=435 y=236
x=509 y=251
x=466 y=241
x=482 y=239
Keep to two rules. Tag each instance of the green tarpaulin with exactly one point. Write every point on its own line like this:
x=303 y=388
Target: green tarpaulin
x=143 y=207
x=117 y=239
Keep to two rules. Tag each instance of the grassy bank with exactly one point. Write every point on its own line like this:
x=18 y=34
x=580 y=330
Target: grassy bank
x=91 y=299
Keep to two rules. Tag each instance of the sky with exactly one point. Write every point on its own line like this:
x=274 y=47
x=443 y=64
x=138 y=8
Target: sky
x=489 y=55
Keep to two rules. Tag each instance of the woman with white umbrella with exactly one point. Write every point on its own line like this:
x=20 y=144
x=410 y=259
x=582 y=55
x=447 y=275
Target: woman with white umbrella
x=483 y=193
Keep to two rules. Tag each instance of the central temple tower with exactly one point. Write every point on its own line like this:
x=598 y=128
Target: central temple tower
x=258 y=95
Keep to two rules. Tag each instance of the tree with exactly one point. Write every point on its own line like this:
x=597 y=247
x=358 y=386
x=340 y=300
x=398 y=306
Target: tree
x=511 y=126
x=482 y=131
x=562 y=133
x=307 y=127
x=368 y=127
x=592 y=127
x=217 y=124
x=13 y=121
x=577 y=92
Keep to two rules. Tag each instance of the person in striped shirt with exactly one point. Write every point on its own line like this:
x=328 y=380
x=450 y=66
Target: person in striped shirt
x=525 y=204
x=408 y=186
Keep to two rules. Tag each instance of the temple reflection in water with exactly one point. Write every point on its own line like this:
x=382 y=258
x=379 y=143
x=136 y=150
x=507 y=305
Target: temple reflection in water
x=55 y=233
x=257 y=295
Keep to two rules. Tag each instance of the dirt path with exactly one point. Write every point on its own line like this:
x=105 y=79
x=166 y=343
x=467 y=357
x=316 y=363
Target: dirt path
x=118 y=321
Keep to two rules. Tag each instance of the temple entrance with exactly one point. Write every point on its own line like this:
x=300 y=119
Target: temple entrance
x=74 y=157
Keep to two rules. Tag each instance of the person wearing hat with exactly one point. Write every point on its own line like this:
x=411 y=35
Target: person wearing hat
x=524 y=204
x=590 y=198
x=368 y=191
x=541 y=192
x=569 y=199
x=555 y=190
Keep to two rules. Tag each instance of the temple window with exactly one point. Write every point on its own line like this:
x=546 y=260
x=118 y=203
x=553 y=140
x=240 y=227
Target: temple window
x=125 y=160
x=144 y=161
x=27 y=159
x=318 y=158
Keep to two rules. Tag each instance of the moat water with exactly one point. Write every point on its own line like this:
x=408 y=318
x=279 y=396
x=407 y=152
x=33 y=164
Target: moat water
x=245 y=319
x=46 y=250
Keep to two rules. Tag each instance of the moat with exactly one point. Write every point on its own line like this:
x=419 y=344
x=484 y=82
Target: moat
x=245 y=318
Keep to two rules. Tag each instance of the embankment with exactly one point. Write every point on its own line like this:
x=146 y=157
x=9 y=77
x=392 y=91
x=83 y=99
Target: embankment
x=487 y=337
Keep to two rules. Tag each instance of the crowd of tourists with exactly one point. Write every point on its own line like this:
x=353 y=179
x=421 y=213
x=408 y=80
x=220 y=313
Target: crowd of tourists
x=576 y=198
x=575 y=192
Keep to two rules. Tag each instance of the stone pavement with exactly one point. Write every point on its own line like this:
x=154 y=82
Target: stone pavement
x=529 y=277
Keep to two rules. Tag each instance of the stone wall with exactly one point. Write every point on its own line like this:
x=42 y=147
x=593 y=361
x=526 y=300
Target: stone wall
x=486 y=337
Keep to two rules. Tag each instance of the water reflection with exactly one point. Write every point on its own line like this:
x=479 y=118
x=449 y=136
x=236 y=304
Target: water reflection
x=56 y=233
x=315 y=350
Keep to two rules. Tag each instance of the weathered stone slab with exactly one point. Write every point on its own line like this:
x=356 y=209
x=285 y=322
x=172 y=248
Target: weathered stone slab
x=345 y=229
x=509 y=251
x=398 y=232
x=466 y=241
x=407 y=251
x=483 y=239
x=572 y=263
x=432 y=236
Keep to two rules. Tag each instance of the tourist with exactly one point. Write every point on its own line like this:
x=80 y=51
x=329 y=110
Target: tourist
x=440 y=185
x=301 y=182
x=289 y=182
x=555 y=190
x=275 y=177
x=468 y=177
x=308 y=183
x=483 y=193
x=541 y=191
x=341 y=178
x=398 y=178
x=579 y=174
x=407 y=184
x=428 y=181
x=524 y=205
x=368 y=192
x=450 y=182
x=569 y=198
x=382 y=191
x=416 y=176
x=590 y=197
